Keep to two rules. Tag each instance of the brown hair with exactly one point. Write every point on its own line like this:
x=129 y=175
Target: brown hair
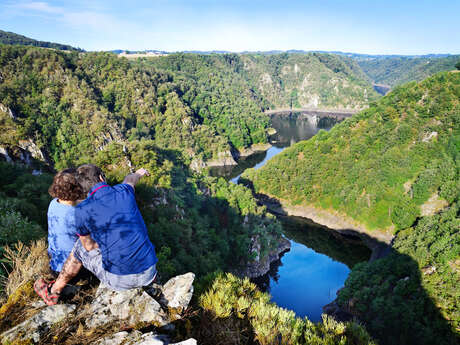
x=65 y=186
x=89 y=175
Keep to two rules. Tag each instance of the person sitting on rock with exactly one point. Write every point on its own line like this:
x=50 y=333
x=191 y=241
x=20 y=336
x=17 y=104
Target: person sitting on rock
x=114 y=244
x=62 y=231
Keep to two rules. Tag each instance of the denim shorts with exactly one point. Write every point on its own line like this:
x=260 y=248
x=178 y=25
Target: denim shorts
x=92 y=261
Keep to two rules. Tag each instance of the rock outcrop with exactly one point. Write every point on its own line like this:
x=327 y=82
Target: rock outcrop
x=254 y=149
x=223 y=159
x=38 y=325
x=133 y=309
x=136 y=306
x=25 y=152
x=137 y=338
x=261 y=265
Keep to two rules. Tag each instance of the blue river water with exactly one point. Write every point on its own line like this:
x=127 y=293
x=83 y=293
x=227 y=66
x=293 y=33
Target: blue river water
x=304 y=280
x=271 y=152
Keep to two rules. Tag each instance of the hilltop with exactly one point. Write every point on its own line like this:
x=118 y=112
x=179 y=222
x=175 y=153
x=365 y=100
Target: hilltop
x=281 y=80
x=7 y=37
x=397 y=70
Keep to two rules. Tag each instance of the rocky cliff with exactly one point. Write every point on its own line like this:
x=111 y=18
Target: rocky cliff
x=108 y=317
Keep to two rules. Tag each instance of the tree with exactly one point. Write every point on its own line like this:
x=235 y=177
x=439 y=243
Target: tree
x=457 y=65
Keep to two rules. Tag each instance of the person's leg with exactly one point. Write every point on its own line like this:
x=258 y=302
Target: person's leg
x=70 y=269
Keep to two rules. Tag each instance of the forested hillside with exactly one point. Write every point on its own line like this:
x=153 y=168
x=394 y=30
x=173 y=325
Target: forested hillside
x=392 y=166
x=63 y=109
x=380 y=166
x=394 y=70
x=275 y=81
x=215 y=89
x=7 y=37
x=72 y=105
x=311 y=80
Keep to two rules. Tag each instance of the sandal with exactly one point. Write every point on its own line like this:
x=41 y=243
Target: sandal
x=43 y=289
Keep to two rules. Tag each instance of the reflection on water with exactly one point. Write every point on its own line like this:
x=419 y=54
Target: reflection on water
x=289 y=130
x=308 y=276
x=304 y=281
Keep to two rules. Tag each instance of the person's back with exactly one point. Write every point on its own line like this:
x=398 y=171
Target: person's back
x=62 y=231
x=113 y=244
x=111 y=216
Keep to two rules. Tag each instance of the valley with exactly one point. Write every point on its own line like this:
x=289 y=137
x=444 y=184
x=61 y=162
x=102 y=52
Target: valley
x=230 y=139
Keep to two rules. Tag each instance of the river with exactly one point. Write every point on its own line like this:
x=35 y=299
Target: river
x=308 y=276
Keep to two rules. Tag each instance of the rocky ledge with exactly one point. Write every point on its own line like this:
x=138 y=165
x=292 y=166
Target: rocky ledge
x=261 y=265
x=254 y=149
x=133 y=309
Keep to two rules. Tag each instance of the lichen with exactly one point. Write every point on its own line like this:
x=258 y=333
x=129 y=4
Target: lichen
x=11 y=313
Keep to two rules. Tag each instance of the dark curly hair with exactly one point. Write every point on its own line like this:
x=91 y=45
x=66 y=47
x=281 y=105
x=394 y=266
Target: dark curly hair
x=65 y=186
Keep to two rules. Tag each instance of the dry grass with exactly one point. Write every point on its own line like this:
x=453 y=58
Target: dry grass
x=28 y=264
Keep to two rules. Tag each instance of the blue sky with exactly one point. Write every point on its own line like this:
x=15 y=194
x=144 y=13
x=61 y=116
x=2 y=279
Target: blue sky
x=374 y=27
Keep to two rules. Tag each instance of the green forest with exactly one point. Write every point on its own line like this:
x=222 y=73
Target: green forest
x=7 y=37
x=311 y=80
x=61 y=109
x=382 y=167
x=393 y=71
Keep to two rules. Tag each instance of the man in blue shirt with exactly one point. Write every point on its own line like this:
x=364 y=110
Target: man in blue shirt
x=114 y=243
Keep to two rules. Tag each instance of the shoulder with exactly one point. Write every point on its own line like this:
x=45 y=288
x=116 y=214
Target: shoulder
x=57 y=208
x=124 y=188
x=53 y=203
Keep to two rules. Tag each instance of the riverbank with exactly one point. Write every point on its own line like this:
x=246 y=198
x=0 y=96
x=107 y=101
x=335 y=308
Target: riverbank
x=245 y=153
x=378 y=241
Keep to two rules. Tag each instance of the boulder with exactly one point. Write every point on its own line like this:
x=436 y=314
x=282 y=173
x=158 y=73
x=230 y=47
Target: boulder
x=137 y=338
x=177 y=293
x=136 y=307
x=38 y=325
x=131 y=306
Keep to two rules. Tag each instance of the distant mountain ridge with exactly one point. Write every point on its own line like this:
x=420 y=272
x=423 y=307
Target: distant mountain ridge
x=7 y=37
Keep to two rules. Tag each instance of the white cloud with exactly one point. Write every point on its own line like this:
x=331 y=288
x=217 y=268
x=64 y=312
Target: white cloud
x=39 y=6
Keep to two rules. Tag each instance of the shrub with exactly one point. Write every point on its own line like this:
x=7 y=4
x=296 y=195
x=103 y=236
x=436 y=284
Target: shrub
x=230 y=297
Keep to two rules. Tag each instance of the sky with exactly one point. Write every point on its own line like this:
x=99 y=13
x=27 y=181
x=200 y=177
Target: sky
x=359 y=26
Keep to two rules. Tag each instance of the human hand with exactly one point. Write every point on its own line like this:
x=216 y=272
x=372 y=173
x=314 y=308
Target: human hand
x=142 y=172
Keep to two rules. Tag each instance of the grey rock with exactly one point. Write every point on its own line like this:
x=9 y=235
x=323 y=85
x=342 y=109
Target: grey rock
x=134 y=338
x=261 y=265
x=428 y=270
x=4 y=153
x=32 y=150
x=114 y=339
x=178 y=291
x=429 y=136
x=190 y=341
x=137 y=338
x=38 y=304
x=135 y=306
x=224 y=158
x=132 y=307
x=5 y=109
x=38 y=325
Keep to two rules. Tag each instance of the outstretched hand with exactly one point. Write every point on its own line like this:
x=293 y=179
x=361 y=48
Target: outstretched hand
x=142 y=172
x=133 y=178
